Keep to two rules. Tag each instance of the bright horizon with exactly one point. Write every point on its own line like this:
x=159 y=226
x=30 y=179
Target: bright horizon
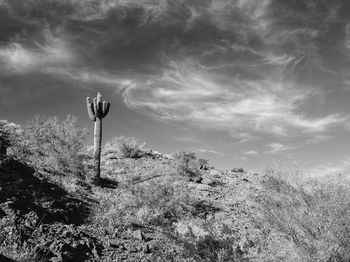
x=242 y=83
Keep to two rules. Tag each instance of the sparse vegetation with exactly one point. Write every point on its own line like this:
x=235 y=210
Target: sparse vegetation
x=125 y=147
x=313 y=217
x=51 y=144
x=151 y=204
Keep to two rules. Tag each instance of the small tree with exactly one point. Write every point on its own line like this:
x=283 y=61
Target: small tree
x=51 y=144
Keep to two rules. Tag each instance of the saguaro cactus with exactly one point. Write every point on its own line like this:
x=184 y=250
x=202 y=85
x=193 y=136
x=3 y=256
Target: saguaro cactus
x=97 y=110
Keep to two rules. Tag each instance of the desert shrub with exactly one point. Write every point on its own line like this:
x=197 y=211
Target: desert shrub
x=8 y=133
x=218 y=244
x=125 y=147
x=203 y=164
x=4 y=138
x=162 y=203
x=313 y=216
x=215 y=244
x=152 y=204
x=188 y=164
x=51 y=144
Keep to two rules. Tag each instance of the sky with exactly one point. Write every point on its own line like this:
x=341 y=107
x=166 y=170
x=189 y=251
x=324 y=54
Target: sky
x=243 y=83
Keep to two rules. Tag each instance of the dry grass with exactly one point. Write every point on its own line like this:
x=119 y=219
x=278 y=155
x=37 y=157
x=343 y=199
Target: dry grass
x=312 y=216
x=125 y=147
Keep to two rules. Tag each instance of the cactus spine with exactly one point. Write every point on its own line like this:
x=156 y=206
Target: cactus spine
x=97 y=110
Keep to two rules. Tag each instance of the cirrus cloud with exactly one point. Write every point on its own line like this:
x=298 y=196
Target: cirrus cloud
x=186 y=93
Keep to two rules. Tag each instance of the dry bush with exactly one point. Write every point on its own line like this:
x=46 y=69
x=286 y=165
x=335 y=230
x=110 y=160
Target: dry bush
x=162 y=203
x=153 y=203
x=313 y=216
x=8 y=133
x=203 y=164
x=188 y=164
x=4 y=138
x=51 y=144
x=125 y=147
x=218 y=243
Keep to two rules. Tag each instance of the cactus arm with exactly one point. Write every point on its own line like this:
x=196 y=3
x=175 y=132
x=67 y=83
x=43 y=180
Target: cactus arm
x=99 y=105
x=90 y=109
x=100 y=109
x=95 y=106
x=99 y=97
x=105 y=108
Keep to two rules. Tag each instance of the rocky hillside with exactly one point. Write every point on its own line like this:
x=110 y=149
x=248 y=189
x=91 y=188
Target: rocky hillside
x=143 y=210
x=149 y=206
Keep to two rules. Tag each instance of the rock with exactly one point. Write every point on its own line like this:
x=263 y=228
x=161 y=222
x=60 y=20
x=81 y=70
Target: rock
x=190 y=227
x=207 y=181
x=66 y=243
x=168 y=156
x=237 y=170
x=146 y=249
x=196 y=179
x=138 y=234
x=31 y=219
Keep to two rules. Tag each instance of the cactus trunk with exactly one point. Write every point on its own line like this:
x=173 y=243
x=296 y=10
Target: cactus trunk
x=97 y=110
x=97 y=147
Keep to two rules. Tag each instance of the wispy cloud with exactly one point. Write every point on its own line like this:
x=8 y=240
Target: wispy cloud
x=18 y=57
x=187 y=93
x=275 y=148
x=251 y=153
x=118 y=83
x=316 y=139
x=208 y=151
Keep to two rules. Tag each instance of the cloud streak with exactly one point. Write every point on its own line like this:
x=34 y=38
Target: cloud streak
x=186 y=93
x=18 y=58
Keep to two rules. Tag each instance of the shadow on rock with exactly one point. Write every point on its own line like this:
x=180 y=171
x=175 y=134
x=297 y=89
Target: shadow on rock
x=106 y=183
x=5 y=259
x=203 y=209
x=22 y=192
